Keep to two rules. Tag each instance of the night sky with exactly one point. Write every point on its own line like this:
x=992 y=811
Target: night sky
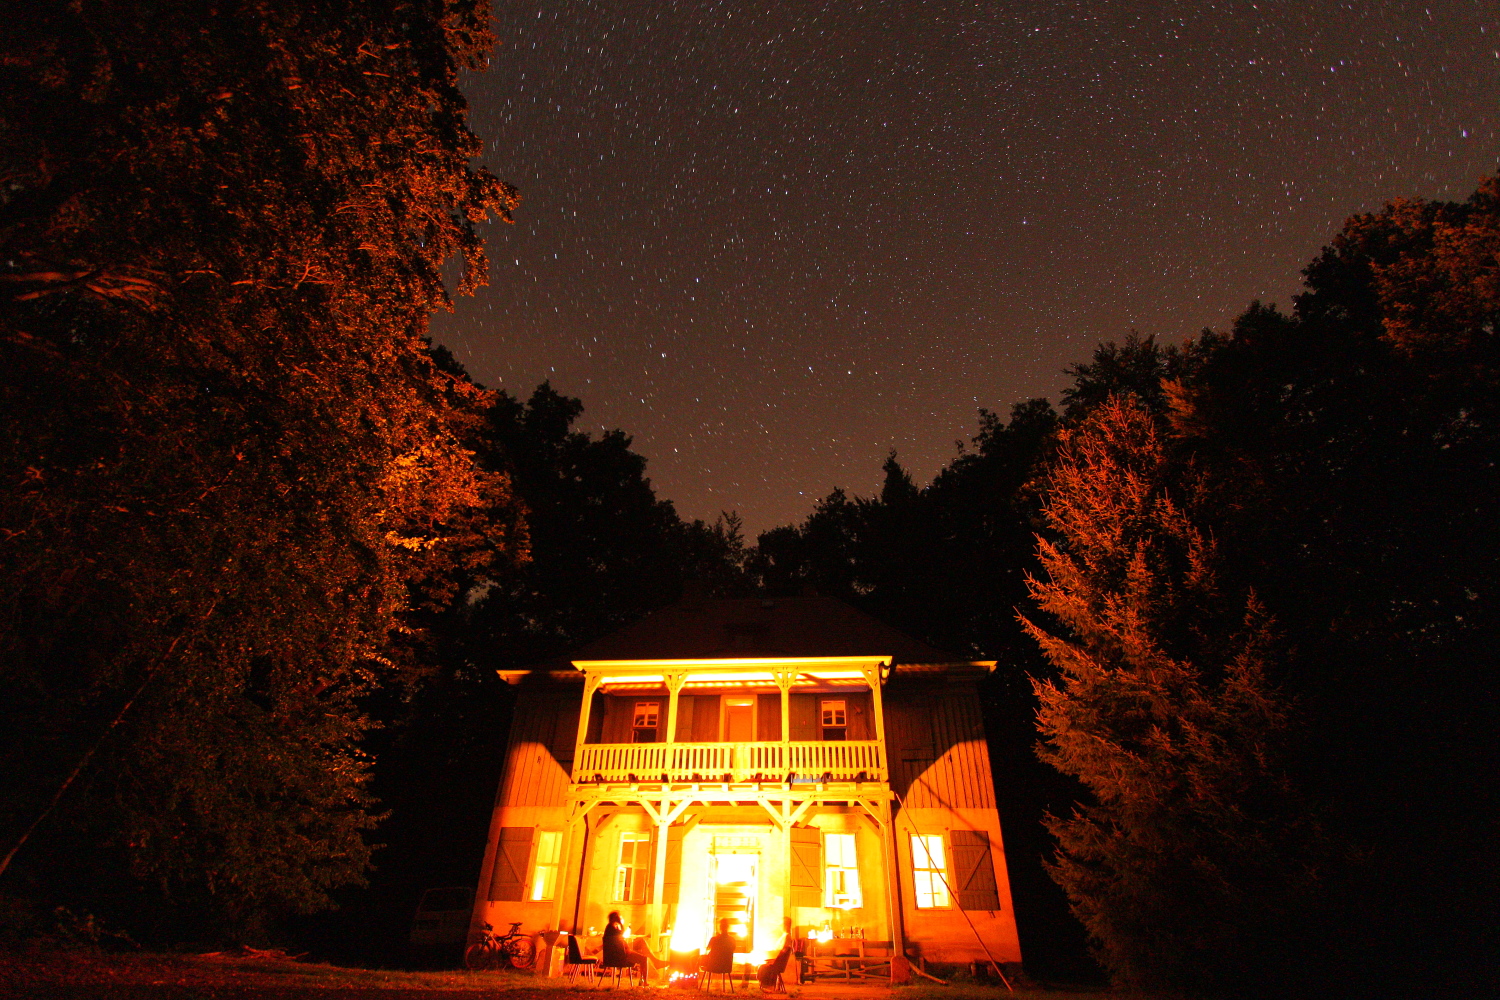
x=773 y=241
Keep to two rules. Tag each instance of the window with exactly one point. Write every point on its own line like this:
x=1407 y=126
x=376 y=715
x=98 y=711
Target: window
x=631 y=873
x=544 y=875
x=928 y=871
x=643 y=728
x=841 y=872
x=834 y=719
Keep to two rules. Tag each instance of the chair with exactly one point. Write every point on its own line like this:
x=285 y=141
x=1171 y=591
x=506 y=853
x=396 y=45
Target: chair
x=770 y=974
x=716 y=965
x=576 y=963
x=629 y=969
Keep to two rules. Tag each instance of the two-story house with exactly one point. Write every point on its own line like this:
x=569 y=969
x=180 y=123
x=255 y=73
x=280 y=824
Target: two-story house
x=754 y=759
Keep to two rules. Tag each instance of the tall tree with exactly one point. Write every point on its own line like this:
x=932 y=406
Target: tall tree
x=1185 y=862
x=227 y=466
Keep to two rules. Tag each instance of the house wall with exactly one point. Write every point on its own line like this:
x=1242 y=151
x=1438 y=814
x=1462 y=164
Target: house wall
x=940 y=768
x=533 y=794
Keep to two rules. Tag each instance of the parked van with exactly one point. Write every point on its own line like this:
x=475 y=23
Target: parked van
x=441 y=926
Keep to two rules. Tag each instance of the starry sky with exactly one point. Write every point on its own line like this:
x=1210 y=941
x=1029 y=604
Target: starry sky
x=773 y=241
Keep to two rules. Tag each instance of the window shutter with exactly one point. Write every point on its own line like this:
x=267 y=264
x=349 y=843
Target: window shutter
x=804 y=712
x=508 y=879
x=807 y=866
x=768 y=718
x=974 y=871
x=705 y=718
x=671 y=883
x=684 y=718
x=860 y=725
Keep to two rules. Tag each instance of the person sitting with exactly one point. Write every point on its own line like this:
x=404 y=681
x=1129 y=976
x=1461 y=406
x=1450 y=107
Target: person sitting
x=719 y=959
x=770 y=973
x=615 y=954
x=638 y=946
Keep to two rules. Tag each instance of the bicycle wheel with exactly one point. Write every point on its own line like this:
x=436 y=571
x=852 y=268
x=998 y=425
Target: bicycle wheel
x=522 y=952
x=481 y=955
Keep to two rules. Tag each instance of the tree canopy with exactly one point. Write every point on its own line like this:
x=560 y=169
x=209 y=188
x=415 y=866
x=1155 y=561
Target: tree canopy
x=230 y=467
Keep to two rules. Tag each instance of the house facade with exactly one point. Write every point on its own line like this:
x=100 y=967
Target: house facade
x=753 y=760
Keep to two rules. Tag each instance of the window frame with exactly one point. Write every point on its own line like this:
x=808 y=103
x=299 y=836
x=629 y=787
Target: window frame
x=544 y=872
x=637 y=729
x=847 y=863
x=940 y=884
x=631 y=880
x=840 y=727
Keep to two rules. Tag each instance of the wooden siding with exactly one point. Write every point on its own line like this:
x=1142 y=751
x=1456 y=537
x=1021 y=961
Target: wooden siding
x=936 y=747
x=768 y=718
x=540 y=753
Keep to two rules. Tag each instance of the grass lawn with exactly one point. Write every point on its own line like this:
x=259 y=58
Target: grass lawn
x=85 y=975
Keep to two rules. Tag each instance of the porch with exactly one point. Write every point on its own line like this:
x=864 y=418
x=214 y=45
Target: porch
x=853 y=760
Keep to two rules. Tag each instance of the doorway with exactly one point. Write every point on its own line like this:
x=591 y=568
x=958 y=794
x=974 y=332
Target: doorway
x=734 y=882
x=739 y=720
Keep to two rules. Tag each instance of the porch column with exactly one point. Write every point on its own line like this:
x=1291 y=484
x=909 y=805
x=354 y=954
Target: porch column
x=659 y=869
x=900 y=971
x=674 y=688
x=590 y=685
x=872 y=677
x=784 y=680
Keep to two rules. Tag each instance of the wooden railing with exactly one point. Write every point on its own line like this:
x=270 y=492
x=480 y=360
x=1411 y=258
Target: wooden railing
x=804 y=762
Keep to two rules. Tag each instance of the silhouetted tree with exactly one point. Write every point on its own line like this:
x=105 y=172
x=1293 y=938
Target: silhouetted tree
x=228 y=468
x=1188 y=858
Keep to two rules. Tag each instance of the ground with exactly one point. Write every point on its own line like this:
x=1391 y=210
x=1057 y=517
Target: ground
x=84 y=975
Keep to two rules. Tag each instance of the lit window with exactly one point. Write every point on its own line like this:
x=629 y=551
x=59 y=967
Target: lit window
x=841 y=871
x=928 y=870
x=544 y=877
x=630 y=873
x=835 y=720
x=644 y=727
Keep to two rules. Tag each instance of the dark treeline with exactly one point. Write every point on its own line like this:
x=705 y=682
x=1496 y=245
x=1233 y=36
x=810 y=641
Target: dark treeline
x=1259 y=574
x=263 y=547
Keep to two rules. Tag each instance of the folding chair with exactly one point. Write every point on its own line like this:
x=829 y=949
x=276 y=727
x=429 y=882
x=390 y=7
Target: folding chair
x=773 y=971
x=576 y=963
x=629 y=969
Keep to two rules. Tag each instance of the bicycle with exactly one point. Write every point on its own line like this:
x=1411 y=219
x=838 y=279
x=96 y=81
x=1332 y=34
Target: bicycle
x=488 y=950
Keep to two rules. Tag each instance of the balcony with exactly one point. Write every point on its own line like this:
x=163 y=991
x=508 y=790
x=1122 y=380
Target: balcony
x=686 y=762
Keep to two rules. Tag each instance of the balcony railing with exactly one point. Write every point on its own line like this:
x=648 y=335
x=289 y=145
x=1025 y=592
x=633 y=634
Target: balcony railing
x=832 y=761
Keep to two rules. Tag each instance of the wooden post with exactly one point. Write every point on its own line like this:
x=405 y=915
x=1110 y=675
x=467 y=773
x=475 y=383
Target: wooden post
x=590 y=685
x=659 y=869
x=900 y=969
x=877 y=705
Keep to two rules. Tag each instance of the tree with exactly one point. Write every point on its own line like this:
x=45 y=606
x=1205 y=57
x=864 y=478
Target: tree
x=1185 y=861
x=229 y=467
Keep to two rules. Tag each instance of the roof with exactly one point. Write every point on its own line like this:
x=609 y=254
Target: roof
x=698 y=628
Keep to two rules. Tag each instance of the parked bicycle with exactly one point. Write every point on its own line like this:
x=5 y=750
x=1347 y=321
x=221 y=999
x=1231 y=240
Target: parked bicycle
x=488 y=950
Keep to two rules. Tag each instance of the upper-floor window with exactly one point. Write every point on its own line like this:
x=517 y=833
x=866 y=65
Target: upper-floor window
x=544 y=875
x=647 y=716
x=834 y=716
x=631 y=872
x=929 y=871
x=840 y=871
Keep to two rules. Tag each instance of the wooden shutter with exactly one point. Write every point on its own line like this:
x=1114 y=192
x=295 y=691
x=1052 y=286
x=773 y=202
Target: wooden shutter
x=768 y=723
x=974 y=871
x=508 y=879
x=807 y=866
x=672 y=878
x=684 y=718
x=804 y=711
x=706 y=718
x=861 y=725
